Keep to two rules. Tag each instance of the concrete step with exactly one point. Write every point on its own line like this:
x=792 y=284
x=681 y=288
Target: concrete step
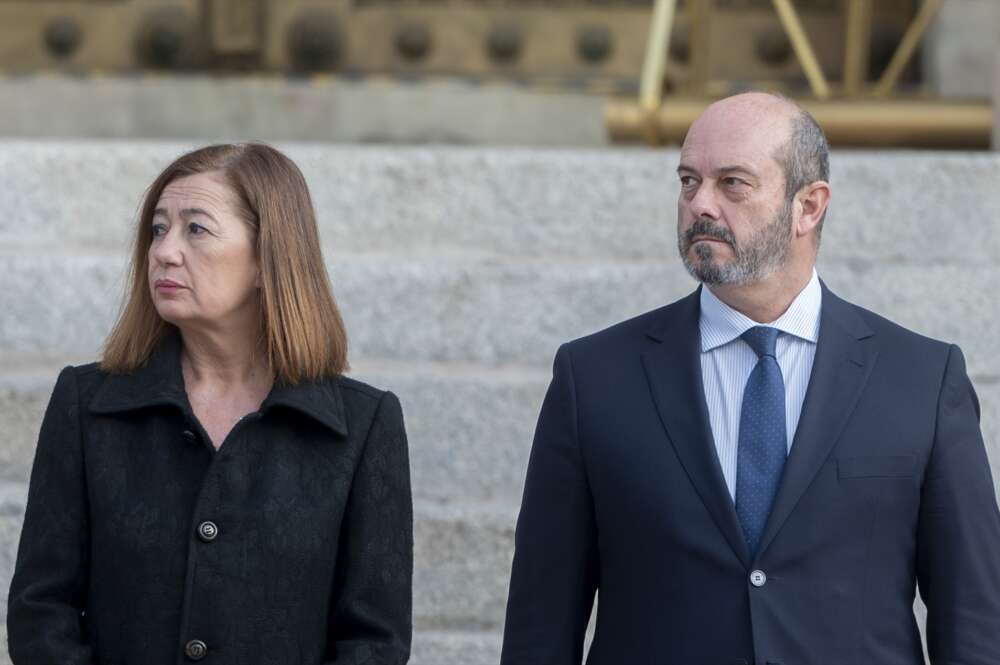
x=456 y=647
x=887 y=206
x=430 y=647
x=469 y=429
x=462 y=555
x=473 y=310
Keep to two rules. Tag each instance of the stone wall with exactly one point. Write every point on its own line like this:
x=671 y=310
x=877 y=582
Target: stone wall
x=958 y=53
x=459 y=272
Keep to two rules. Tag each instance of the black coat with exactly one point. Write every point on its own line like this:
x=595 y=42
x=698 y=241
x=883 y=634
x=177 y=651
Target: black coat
x=142 y=545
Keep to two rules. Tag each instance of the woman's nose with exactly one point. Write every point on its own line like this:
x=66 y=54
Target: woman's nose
x=167 y=250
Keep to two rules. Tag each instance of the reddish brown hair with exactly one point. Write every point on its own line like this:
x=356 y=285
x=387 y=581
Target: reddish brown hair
x=303 y=333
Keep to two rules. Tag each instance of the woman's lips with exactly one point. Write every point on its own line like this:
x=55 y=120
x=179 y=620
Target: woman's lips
x=167 y=285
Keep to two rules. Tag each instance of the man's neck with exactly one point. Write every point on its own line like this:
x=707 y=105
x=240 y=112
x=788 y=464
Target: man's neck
x=764 y=301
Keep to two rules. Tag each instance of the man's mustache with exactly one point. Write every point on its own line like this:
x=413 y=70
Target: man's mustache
x=707 y=229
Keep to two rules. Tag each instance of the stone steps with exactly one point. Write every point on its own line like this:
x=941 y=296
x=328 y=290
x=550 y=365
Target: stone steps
x=459 y=272
x=916 y=206
x=496 y=311
x=469 y=433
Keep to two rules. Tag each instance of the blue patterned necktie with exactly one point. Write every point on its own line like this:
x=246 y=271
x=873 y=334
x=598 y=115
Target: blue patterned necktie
x=762 y=439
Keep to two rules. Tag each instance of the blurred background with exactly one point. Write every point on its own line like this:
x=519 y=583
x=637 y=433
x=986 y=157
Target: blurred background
x=492 y=178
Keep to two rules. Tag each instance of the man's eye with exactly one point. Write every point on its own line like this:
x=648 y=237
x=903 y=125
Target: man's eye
x=732 y=182
x=687 y=181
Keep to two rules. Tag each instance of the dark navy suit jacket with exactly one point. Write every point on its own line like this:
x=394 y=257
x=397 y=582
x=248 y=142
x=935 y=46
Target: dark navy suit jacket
x=887 y=485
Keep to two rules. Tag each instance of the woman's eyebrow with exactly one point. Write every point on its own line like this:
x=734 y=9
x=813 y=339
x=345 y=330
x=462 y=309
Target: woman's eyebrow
x=191 y=212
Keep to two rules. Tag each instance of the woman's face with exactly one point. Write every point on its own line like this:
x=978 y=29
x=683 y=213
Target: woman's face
x=202 y=265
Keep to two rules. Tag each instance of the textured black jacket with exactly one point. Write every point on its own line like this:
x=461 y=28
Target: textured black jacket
x=142 y=545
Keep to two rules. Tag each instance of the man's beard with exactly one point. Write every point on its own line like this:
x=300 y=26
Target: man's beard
x=756 y=259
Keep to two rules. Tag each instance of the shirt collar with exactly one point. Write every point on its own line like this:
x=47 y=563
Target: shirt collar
x=721 y=324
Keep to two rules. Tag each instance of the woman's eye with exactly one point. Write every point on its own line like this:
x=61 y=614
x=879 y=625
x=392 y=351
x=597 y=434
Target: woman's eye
x=159 y=230
x=196 y=229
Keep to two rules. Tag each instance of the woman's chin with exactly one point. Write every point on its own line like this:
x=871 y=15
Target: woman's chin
x=172 y=314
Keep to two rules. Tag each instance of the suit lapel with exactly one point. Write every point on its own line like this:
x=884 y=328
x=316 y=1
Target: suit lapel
x=840 y=371
x=673 y=369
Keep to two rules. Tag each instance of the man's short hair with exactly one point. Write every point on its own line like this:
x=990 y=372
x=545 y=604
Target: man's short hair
x=805 y=157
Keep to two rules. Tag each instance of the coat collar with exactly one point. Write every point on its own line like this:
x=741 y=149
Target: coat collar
x=160 y=383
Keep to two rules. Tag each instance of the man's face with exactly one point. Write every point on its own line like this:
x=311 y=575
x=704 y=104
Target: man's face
x=734 y=222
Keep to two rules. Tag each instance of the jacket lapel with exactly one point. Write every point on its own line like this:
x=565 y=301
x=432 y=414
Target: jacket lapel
x=673 y=369
x=840 y=371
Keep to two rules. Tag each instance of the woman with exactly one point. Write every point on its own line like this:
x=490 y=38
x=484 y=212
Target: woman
x=215 y=489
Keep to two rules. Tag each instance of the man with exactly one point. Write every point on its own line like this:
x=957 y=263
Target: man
x=760 y=473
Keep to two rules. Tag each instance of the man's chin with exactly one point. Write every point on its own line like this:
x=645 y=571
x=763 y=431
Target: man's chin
x=710 y=272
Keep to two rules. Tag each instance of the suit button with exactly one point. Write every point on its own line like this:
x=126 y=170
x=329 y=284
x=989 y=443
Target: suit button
x=207 y=531
x=189 y=436
x=758 y=578
x=195 y=650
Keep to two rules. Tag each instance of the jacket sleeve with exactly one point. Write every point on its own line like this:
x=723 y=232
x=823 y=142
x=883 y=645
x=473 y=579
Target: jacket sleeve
x=371 y=607
x=49 y=588
x=555 y=569
x=958 y=535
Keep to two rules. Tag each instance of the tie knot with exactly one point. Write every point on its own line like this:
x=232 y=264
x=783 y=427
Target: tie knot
x=762 y=340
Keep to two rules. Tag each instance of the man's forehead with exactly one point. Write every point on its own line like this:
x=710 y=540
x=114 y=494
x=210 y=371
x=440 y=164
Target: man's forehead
x=729 y=137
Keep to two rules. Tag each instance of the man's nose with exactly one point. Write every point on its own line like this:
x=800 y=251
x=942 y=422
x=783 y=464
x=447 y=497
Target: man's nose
x=704 y=203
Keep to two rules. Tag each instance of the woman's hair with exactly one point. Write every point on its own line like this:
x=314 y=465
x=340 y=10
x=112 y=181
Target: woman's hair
x=302 y=331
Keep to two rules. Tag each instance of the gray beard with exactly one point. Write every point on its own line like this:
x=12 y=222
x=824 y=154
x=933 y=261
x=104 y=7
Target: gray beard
x=755 y=260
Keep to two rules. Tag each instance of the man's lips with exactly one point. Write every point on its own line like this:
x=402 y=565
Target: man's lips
x=707 y=239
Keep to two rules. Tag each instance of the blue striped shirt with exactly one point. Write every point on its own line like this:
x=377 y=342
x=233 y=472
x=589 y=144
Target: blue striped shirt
x=726 y=363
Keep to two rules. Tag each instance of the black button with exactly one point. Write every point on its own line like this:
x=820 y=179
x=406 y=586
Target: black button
x=195 y=650
x=207 y=531
x=189 y=436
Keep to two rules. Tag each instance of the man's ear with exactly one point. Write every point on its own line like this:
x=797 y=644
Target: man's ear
x=811 y=203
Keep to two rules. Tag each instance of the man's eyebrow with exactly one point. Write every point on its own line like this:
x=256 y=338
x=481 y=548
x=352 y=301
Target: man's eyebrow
x=684 y=168
x=726 y=170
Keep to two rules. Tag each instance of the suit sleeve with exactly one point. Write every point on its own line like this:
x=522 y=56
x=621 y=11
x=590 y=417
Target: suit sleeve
x=958 y=538
x=49 y=588
x=555 y=569
x=371 y=606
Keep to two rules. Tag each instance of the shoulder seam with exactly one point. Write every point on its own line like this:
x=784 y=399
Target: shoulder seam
x=368 y=391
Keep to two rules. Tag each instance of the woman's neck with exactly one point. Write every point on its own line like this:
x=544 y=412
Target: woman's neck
x=216 y=358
